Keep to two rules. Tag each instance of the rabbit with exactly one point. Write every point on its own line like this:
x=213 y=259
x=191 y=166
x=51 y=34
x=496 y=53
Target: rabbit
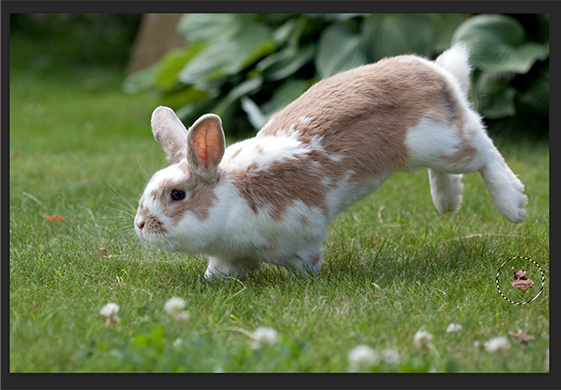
x=270 y=199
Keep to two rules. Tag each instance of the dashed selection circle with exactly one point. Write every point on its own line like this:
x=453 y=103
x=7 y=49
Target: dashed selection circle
x=520 y=280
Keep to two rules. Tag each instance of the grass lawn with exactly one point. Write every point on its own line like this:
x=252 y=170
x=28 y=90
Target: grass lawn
x=81 y=148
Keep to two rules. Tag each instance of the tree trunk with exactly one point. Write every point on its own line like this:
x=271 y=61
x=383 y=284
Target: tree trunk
x=156 y=36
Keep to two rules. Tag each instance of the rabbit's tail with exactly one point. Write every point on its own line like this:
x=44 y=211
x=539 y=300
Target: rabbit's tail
x=456 y=61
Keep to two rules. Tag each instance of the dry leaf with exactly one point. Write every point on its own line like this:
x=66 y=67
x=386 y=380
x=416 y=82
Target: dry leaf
x=523 y=284
x=522 y=336
x=54 y=218
x=105 y=253
x=520 y=280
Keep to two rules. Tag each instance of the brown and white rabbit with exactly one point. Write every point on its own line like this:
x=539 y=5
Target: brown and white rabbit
x=270 y=199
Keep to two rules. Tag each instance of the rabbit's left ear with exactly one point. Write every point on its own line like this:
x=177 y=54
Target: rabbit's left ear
x=205 y=146
x=170 y=133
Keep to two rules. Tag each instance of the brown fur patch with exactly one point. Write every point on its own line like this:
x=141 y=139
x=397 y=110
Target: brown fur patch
x=361 y=118
x=184 y=166
x=199 y=198
x=236 y=153
x=280 y=185
x=465 y=153
x=153 y=225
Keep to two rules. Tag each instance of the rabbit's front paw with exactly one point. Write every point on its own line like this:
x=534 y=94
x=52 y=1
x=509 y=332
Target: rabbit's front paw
x=220 y=269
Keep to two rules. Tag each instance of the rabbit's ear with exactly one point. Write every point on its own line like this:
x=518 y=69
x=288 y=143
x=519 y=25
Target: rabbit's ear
x=205 y=146
x=170 y=133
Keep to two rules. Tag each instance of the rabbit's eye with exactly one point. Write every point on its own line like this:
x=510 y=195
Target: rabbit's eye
x=177 y=194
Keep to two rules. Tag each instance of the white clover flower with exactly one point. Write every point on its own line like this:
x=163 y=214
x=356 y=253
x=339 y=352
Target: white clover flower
x=264 y=336
x=110 y=311
x=182 y=316
x=496 y=344
x=422 y=338
x=453 y=327
x=477 y=344
x=116 y=353
x=362 y=357
x=178 y=342
x=174 y=305
x=390 y=355
x=218 y=369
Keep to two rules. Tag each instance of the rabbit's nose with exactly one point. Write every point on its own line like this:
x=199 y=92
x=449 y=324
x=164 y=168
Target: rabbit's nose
x=140 y=223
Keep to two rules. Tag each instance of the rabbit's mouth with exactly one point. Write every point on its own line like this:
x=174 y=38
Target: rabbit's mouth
x=147 y=224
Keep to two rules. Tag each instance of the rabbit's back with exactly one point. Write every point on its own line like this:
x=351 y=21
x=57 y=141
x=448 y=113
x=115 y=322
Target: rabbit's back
x=343 y=137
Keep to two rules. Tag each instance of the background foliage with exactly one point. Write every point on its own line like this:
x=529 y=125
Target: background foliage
x=83 y=39
x=245 y=67
x=78 y=148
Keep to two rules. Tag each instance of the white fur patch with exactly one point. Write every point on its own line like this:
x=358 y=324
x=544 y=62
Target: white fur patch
x=428 y=141
x=345 y=194
x=261 y=152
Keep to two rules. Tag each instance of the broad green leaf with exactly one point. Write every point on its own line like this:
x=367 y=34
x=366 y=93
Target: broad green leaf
x=254 y=114
x=536 y=97
x=230 y=56
x=279 y=56
x=175 y=60
x=189 y=113
x=257 y=38
x=286 y=94
x=180 y=97
x=339 y=49
x=290 y=32
x=247 y=87
x=282 y=33
x=445 y=25
x=140 y=80
x=497 y=44
x=500 y=105
x=207 y=65
x=212 y=27
x=334 y=17
x=388 y=35
x=274 y=19
x=284 y=63
x=493 y=82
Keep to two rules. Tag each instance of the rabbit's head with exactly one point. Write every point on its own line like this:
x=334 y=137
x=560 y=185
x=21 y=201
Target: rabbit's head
x=182 y=207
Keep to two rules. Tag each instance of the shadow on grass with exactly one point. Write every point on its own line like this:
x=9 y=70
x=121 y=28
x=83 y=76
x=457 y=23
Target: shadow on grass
x=453 y=263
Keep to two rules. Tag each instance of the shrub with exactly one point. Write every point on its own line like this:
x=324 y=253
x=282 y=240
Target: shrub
x=245 y=67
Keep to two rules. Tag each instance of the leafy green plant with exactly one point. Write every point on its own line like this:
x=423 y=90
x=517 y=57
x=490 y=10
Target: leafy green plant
x=510 y=84
x=245 y=67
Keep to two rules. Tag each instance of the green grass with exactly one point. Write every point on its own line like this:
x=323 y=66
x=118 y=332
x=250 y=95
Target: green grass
x=392 y=264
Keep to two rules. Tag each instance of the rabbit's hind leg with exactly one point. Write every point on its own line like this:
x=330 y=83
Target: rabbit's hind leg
x=505 y=188
x=476 y=152
x=446 y=191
